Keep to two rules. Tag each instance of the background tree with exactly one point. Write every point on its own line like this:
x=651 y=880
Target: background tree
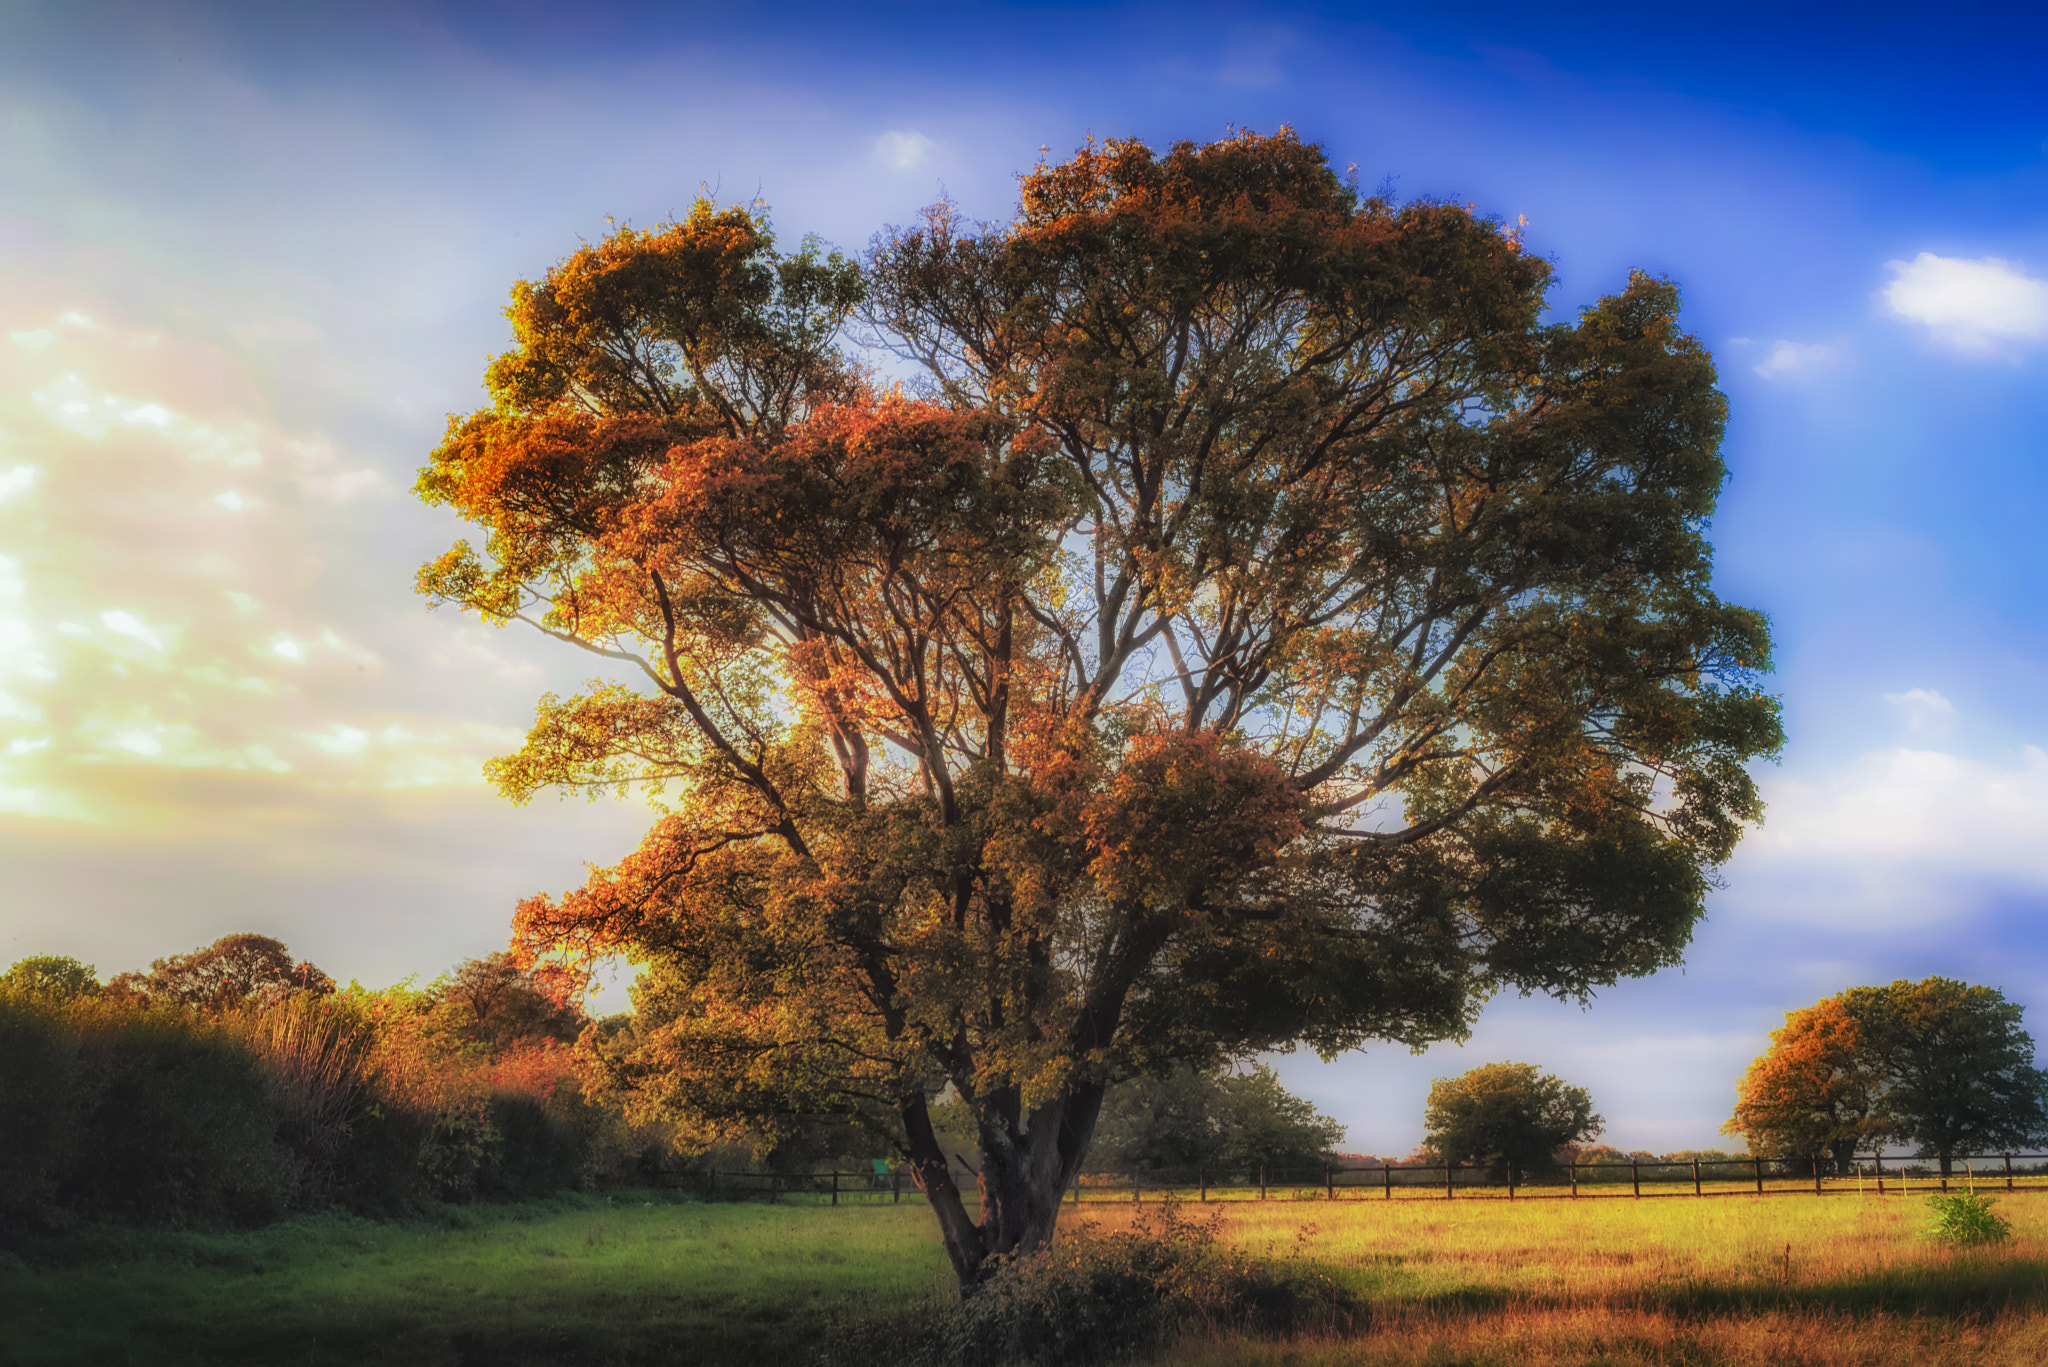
x=1507 y=1116
x=1959 y=1071
x=500 y=1003
x=232 y=970
x=1257 y=627
x=51 y=975
x=1819 y=1093
x=1216 y=1119
x=1940 y=1064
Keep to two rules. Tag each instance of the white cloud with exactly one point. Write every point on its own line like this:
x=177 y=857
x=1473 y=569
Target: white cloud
x=1902 y=837
x=1969 y=305
x=18 y=479
x=903 y=150
x=1795 y=360
x=133 y=627
x=1925 y=710
x=341 y=740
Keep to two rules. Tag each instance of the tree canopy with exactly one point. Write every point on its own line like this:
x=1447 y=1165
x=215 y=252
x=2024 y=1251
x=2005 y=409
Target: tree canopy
x=1940 y=1064
x=1817 y=1093
x=232 y=970
x=1508 y=1116
x=51 y=975
x=1256 y=625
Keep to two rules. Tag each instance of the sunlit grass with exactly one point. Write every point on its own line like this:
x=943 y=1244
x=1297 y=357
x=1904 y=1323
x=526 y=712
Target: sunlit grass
x=1778 y=1280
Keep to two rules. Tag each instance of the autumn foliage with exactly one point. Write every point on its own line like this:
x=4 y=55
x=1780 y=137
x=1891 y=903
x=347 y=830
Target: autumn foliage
x=1255 y=626
x=1817 y=1092
x=1939 y=1064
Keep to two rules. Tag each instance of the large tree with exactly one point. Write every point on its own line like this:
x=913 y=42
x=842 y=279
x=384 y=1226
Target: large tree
x=1959 y=1069
x=1257 y=624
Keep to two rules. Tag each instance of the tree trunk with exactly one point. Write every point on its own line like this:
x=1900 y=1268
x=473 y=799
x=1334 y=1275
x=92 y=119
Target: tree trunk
x=1025 y=1170
x=1945 y=1169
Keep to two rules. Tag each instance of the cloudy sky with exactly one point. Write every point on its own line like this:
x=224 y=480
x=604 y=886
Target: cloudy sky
x=248 y=265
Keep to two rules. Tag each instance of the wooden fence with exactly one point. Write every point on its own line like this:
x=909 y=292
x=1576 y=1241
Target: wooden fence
x=1636 y=1179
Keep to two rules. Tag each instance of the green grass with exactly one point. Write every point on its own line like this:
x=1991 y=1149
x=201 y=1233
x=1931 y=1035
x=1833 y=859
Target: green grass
x=645 y=1279
x=629 y=1280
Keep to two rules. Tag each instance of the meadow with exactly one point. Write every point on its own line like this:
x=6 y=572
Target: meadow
x=645 y=1278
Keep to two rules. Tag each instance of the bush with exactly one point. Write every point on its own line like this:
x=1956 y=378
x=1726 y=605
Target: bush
x=179 y=1125
x=1096 y=1297
x=1966 y=1218
x=40 y=1106
x=154 y=1111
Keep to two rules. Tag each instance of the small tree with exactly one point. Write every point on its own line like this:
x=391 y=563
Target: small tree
x=1215 y=1119
x=53 y=976
x=499 y=1003
x=1507 y=1116
x=1818 y=1093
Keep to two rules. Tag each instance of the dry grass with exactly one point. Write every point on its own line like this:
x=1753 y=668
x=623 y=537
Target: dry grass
x=1584 y=1336
x=1830 y=1282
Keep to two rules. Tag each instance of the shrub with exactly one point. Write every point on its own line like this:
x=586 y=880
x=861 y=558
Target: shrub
x=313 y=1053
x=1966 y=1218
x=40 y=1107
x=1095 y=1297
x=179 y=1125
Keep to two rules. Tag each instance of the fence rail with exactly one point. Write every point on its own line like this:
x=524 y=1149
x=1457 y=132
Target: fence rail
x=1870 y=1175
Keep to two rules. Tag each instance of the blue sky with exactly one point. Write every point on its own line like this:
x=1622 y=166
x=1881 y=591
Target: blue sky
x=249 y=262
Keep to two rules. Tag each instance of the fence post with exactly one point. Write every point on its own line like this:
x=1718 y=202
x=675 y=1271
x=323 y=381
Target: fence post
x=1387 y=1179
x=2008 y=1172
x=1696 y=1177
x=1450 y=1180
x=895 y=1186
x=1816 y=1174
x=1877 y=1166
x=1330 y=1182
x=1203 y=1174
x=1758 y=1164
x=1511 y=1181
x=1262 y=1181
x=1574 y=1169
x=1635 y=1177
x=835 y=1186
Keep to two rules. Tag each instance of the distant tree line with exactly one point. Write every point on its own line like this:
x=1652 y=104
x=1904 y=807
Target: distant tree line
x=236 y=1083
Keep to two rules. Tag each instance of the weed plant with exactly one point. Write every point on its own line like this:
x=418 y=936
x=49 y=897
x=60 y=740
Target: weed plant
x=1966 y=1219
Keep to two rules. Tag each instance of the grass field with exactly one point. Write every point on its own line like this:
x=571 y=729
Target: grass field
x=635 y=1279
x=642 y=1279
